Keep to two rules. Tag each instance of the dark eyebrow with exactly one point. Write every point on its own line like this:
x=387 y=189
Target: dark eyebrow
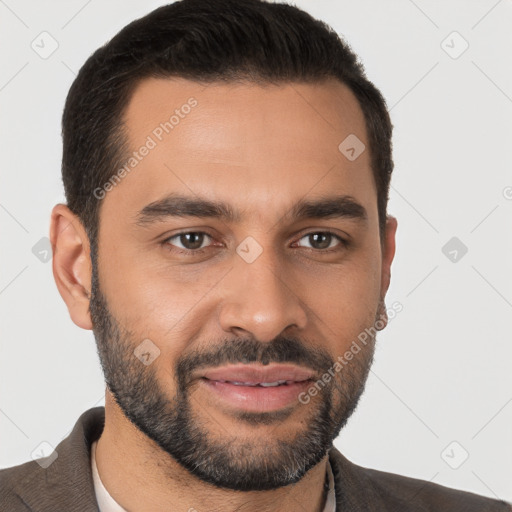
x=175 y=205
x=328 y=208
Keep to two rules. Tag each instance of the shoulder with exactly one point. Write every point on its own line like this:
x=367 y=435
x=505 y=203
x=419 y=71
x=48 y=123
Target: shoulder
x=64 y=477
x=11 y=479
x=370 y=489
x=423 y=495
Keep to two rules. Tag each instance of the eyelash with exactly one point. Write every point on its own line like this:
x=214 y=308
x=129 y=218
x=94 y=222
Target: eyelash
x=193 y=252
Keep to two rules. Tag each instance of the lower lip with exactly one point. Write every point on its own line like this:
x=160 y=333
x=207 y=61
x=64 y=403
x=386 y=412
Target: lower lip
x=257 y=398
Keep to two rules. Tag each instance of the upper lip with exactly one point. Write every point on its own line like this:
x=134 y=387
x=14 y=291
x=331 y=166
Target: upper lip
x=256 y=374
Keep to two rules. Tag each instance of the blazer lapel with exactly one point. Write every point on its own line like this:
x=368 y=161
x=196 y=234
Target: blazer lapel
x=353 y=489
x=66 y=484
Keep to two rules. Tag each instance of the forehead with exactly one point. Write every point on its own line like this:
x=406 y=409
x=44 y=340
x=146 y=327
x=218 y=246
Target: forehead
x=256 y=146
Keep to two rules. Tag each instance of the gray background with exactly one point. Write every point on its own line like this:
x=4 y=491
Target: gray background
x=441 y=388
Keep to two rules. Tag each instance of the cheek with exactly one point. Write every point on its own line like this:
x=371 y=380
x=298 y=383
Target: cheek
x=343 y=301
x=165 y=304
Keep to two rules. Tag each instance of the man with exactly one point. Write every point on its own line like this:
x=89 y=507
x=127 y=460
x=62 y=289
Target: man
x=226 y=166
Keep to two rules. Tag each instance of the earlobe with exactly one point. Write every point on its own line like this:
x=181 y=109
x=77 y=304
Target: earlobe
x=72 y=268
x=388 y=253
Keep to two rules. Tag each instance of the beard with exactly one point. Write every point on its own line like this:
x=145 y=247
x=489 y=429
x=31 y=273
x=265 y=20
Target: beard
x=223 y=460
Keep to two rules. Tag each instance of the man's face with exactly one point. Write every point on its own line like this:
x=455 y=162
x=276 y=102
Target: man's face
x=195 y=292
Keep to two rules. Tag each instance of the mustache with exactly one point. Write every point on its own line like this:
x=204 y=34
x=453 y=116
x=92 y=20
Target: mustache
x=242 y=351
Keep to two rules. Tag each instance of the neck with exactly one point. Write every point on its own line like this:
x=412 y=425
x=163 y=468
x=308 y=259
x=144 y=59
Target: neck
x=140 y=476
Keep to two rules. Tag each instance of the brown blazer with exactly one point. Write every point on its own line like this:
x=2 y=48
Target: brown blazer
x=66 y=485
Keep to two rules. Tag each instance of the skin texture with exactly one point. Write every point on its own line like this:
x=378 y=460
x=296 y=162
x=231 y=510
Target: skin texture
x=260 y=149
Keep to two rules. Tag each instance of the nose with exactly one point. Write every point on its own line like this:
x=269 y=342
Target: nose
x=261 y=299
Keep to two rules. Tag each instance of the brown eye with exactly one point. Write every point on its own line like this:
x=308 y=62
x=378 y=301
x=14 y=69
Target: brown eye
x=191 y=241
x=322 y=240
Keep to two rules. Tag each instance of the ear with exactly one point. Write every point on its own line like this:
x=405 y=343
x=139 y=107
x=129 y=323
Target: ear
x=388 y=253
x=72 y=269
